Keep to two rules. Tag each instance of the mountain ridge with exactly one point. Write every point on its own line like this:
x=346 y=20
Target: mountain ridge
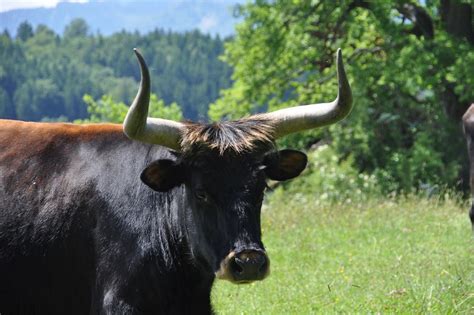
x=211 y=16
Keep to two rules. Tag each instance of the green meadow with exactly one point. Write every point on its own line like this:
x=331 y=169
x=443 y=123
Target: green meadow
x=405 y=255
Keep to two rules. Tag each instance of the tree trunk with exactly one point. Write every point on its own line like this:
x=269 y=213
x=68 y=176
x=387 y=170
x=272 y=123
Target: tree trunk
x=457 y=19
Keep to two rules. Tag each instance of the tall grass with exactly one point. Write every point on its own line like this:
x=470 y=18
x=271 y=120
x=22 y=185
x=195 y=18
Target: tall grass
x=389 y=255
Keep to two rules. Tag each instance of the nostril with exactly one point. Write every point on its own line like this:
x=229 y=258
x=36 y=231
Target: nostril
x=237 y=265
x=263 y=264
x=249 y=264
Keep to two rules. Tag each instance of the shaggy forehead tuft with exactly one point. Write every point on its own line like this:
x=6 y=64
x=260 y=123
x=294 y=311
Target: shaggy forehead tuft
x=237 y=136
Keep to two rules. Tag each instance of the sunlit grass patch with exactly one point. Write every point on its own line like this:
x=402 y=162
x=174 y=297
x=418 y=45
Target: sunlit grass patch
x=405 y=255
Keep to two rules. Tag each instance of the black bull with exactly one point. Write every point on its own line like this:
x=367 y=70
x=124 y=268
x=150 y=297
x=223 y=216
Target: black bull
x=80 y=233
x=468 y=127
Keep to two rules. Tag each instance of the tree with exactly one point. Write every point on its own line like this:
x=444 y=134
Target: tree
x=405 y=59
x=106 y=110
x=24 y=31
x=185 y=69
x=36 y=99
x=77 y=28
x=12 y=61
x=6 y=107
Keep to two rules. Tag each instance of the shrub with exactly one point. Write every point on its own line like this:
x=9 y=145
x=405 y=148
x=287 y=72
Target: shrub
x=107 y=110
x=330 y=180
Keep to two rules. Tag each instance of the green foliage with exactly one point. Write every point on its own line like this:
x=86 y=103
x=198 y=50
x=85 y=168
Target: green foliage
x=411 y=79
x=25 y=31
x=37 y=99
x=77 y=28
x=6 y=107
x=331 y=180
x=45 y=75
x=107 y=110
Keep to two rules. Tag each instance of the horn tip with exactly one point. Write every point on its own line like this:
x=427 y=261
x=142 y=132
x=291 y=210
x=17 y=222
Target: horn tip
x=339 y=62
x=137 y=52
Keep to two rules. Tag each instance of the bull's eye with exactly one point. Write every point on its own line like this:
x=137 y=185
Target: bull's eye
x=201 y=195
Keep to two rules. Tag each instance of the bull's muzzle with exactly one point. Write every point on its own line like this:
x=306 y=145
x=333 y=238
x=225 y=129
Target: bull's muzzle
x=244 y=266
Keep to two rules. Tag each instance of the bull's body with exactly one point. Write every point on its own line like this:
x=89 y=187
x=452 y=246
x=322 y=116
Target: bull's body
x=92 y=222
x=80 y=233
x=468 y=127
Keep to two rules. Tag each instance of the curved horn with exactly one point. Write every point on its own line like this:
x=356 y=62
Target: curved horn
x=300 y=118
x=138 y=126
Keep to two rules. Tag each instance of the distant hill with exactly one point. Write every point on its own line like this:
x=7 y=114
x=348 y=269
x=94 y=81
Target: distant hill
x=209 y=16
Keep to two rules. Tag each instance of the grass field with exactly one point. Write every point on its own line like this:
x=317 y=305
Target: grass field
x=402 y=255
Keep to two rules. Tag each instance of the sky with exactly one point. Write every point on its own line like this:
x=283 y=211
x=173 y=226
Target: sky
x=7 y=5
x=206 y=15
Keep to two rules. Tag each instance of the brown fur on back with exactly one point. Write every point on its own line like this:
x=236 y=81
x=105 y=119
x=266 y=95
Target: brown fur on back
x=31 y=131
x=230 y=136
x=237 y=136
x=27 y=138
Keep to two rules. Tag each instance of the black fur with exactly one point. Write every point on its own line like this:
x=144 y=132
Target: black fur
x=468 y=128
x=80 y=233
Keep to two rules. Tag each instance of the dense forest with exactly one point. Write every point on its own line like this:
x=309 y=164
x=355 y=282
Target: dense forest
x=411 y=66
x=44 y=76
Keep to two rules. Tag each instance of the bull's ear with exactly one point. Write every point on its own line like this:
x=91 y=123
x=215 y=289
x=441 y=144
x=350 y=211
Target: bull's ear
x=162 y=175
x=288 y=164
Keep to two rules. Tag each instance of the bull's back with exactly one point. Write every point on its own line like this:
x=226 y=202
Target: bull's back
x=48 y=204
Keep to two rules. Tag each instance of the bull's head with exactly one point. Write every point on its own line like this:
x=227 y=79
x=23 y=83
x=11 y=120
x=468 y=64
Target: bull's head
x=224 y=167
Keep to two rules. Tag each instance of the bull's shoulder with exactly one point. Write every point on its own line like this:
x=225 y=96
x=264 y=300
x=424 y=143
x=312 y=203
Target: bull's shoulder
x=468 y=117
x=468 y=122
